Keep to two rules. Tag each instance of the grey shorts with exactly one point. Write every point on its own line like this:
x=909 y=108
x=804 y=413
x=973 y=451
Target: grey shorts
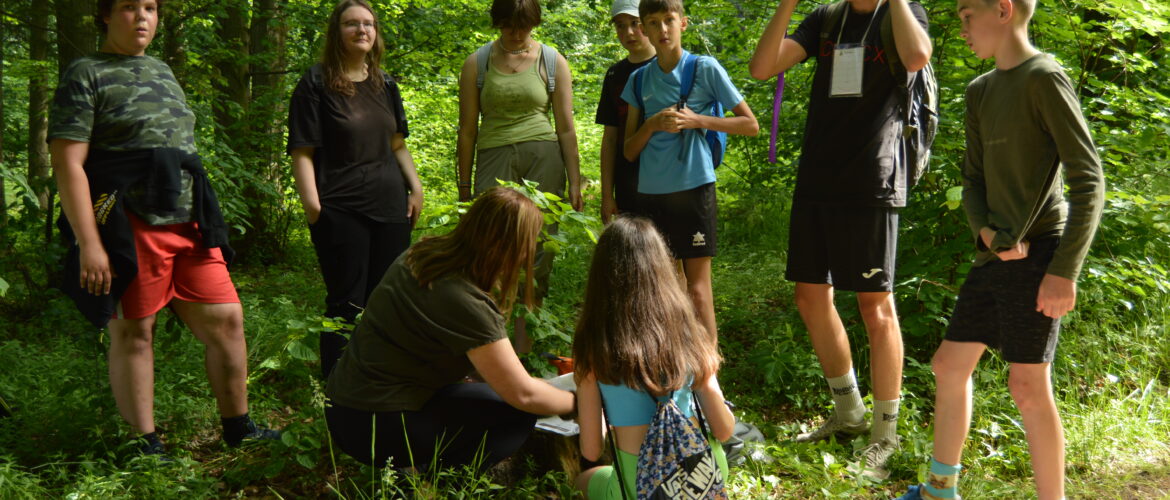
x=997 y=307
x=537 y=161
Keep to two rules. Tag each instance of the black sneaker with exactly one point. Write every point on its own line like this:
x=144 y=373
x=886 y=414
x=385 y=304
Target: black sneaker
x=150 y=446
x=254 y=433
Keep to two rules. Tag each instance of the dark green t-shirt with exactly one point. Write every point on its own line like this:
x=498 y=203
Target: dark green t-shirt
x=1024 y=129
x=116 y=102
x=412 y=341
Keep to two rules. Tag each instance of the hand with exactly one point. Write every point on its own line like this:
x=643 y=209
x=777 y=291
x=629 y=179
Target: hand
x=96 y=275
x=312 y=213
x=464 y=193
x=608 y=208
x=665 y=121
x=687 y=118
x=414 y=204
x=1016 y=252
x=575 y=195
x=1057 y=296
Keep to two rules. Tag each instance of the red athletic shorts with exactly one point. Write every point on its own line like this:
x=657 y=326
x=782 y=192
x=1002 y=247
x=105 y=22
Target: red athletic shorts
x=174 y=264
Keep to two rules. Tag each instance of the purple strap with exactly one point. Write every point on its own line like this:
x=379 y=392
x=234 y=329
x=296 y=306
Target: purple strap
x=776 y=101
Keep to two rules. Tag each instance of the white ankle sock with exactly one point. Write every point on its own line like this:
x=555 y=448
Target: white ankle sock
x=885 y=420
x=847 y=403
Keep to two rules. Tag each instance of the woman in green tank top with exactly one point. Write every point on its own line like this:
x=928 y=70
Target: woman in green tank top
x=506 y=89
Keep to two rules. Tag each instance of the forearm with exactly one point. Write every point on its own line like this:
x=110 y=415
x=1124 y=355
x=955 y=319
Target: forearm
x=73 y=184
x=719 y=416
x=569 y=154
x=67 y=159
x=409 y=171
x=767 y=61
x=540 y=398
x=608 y=150
x=637 y=141
x=738 y=125
x=305 y=179
x=910 y=39
x=465 y=155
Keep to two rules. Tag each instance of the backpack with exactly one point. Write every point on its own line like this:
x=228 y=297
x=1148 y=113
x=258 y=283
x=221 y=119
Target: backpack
x=675 y=460
x=919 y=95
x=547 y=54
x=716 y=141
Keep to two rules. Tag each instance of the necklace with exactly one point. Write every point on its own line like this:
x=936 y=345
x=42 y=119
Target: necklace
x=521 y=50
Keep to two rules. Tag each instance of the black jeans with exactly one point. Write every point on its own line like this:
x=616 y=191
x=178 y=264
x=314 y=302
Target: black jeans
x=462 y=424
x=354 y=253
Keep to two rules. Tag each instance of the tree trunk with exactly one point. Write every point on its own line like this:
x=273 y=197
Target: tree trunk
x=38 y=105
x=3 y=165
x=76 y=34
x=265 y=115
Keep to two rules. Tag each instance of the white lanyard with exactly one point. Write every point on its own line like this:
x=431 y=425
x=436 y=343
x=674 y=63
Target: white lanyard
x=848 y=61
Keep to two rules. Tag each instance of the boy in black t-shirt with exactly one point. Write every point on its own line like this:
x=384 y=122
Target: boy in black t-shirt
x=849 y=187
x=619 y=177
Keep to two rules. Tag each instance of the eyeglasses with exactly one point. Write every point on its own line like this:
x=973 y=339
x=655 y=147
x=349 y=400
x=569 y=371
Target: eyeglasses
x=355 y=25
x=626 y=26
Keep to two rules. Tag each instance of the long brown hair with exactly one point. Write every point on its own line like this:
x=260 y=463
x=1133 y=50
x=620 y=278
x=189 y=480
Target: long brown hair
x=493 y=241
x=333 y=56
x=638 y=327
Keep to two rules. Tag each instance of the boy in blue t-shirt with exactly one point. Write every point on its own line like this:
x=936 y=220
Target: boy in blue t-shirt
x=676 y=178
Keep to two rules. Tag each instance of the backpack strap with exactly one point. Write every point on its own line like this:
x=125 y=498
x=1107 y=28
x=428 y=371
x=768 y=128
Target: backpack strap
x=639 y=82
x=690 y=66
x=834 y=12
x=482 y=56
x=613 y=448
x=891 y=50
x=549 y=56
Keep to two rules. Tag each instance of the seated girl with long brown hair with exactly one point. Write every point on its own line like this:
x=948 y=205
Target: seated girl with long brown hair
x=438 y=313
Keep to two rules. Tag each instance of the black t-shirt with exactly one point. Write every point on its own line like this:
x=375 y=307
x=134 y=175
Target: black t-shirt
x=611 y=111
x=851 y=153
x=355 y=168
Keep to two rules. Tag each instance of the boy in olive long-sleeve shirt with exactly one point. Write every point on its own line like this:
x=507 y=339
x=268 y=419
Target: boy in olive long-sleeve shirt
x=1024 y=127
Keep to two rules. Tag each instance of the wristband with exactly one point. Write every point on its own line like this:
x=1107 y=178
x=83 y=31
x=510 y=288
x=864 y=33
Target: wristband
x=463 y=184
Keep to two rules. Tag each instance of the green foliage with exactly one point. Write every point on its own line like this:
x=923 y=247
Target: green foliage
x=1110 y=372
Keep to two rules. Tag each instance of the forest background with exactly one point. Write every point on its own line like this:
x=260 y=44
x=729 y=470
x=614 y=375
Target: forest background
x=238 y=60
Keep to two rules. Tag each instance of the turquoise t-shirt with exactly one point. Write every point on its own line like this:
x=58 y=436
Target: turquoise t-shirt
x=677 y=162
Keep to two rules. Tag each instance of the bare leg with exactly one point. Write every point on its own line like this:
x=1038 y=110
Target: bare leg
x=953 y=364
x=131 y=358
x=698 y=273
x=885 y=343
x=220 y=327
x=1031 y=388
x=825 y=330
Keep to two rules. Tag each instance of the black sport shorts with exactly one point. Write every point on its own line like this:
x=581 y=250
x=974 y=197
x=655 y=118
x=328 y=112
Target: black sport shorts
x=997 y=307
x=686 y=220
x=849 y=247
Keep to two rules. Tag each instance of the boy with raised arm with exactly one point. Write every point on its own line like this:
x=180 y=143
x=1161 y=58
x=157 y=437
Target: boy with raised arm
x=676 y=180
x=619 y=177
x=1024 y=126
x=850 y=186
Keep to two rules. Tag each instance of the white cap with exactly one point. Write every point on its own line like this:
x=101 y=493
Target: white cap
x=624 y=7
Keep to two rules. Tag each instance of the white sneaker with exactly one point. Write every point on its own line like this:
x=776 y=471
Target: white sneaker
x=834 y=427
x=874 y=457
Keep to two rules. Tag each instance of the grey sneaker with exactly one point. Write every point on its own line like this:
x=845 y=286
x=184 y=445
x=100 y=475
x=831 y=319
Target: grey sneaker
x=834 y=427
x=874 y=456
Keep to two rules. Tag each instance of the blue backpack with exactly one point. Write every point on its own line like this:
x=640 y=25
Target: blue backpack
x=716 y=141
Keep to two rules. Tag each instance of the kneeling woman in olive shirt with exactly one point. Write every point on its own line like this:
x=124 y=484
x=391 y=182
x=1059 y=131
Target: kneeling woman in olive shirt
x=436 y=315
